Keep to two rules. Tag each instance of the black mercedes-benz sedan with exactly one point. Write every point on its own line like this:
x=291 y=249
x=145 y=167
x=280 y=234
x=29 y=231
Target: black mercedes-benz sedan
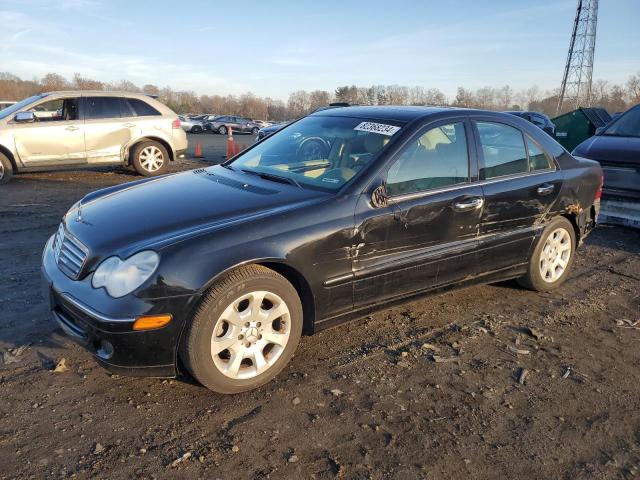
x=220 y=270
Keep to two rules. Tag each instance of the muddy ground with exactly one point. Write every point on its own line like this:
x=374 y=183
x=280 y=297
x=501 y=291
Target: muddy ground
x=432 y=389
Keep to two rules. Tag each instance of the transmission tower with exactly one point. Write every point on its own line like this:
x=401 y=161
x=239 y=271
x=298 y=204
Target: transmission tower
x=576 y=82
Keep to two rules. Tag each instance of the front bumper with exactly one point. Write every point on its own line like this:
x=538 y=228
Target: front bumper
x=104 y=325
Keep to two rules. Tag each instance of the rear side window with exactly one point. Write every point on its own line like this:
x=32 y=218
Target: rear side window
x=435 y=159
x=102 y=108
x=142 y=108
x=538 y=160
x=503 y=150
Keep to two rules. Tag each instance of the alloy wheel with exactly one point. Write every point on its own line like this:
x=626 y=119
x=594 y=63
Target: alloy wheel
x=151 y=158
x=1 y=171
x=250 y=335
x=555 y=255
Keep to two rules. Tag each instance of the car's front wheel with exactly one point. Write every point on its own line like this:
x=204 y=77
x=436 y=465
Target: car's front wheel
x=6 y=169
x=150 y=158
x=552 y=258
x=255 y=130
x=244 y=332
x=222 y=130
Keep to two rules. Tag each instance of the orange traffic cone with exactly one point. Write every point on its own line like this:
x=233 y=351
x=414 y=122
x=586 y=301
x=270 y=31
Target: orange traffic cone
x=199 y=151
x=231 y=146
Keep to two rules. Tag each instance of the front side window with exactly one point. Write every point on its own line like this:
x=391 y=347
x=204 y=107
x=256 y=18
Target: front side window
x=627 y=125
x=59 y=110
x=503 y=150
x=318 y=152
x=102 y=108
x=435 y=159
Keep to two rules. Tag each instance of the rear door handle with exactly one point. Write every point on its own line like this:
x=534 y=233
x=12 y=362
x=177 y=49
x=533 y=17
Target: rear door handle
x=545 y=189
x=466 y=205
x=129 y=125
x=71 y=128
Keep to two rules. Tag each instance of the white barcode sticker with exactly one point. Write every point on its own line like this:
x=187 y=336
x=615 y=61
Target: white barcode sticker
x=380 y=128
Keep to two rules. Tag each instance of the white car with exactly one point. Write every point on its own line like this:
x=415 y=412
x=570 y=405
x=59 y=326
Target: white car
x=191 y=125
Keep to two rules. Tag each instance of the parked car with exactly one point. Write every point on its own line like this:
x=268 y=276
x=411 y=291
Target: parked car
x=262 y=123
x=617 y=148
x=222 y=124
x=86 y=128
x=540 y=120
x=266 y=131
x=4 y=104
x=221 y=269
x=191 y=125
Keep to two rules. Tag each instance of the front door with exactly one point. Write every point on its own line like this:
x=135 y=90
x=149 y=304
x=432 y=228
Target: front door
x=520 y=184
x=55 y=138
x=109 y=126
x=427 y=234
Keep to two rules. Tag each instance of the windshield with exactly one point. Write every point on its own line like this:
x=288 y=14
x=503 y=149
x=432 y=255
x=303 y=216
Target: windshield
x=318 y=152
x=18 y=106
x=627 y=125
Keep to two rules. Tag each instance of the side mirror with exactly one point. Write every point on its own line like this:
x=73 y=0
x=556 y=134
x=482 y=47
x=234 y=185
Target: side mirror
x=24 y=117
x=379 y=197
x=599 y=130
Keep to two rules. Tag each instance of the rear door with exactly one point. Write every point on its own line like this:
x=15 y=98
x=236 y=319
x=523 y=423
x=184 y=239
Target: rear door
x=520 y=183
x=427 y=234
x=55 y=138
x=108 y=125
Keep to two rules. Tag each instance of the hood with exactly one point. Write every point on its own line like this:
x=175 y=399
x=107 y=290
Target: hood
x=610 y=149
x=130 y=217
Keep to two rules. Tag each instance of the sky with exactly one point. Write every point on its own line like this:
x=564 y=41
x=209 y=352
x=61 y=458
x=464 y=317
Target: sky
x=272 y=48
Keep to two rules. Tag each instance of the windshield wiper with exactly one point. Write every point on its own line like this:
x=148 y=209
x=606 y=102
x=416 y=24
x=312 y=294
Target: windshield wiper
x=273 y=177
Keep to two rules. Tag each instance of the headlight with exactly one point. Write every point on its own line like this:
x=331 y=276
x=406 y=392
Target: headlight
x=122 y=277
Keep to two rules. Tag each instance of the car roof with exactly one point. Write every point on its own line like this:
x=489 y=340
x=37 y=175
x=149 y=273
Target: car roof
x=387 y=112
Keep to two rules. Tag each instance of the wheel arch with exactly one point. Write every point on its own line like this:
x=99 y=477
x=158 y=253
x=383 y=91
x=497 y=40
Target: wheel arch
x=293 y=276
x=7 y=153
x=160 y=140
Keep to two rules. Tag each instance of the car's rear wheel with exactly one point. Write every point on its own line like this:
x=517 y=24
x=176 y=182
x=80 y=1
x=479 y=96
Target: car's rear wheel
x=255 y=130
x=150 y=158
x=196 y=129
x=222 y=130
x=6 y=169
x=552 y=258
x=244 y=332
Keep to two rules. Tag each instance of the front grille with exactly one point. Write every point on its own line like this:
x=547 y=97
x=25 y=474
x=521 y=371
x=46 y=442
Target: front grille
x=70 y=254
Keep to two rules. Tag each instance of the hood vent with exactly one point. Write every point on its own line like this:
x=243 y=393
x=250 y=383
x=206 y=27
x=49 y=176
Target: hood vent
x=229 y=182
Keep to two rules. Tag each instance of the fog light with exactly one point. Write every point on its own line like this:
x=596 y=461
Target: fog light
x=149 y=322
x=106 y=350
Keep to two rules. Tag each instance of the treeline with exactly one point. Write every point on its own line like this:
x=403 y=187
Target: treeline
x=614 y=98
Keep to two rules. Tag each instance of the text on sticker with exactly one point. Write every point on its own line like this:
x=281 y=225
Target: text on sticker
x=380 y=128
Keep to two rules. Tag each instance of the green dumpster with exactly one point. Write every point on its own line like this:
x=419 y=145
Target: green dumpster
x=572 y=128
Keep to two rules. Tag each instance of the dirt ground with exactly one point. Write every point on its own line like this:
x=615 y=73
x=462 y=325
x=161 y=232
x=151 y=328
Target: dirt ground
x=485 y=382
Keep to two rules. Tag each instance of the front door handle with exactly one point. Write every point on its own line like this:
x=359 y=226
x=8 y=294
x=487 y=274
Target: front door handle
x=71 y=128
x=129 y=125
x=545 y=189
x=466 y=205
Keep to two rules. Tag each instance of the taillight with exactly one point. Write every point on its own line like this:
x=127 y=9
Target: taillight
x=599 y=191
x=176 y=123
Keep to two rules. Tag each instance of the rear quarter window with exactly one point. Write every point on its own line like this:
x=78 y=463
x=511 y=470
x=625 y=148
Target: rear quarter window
x=142 y=108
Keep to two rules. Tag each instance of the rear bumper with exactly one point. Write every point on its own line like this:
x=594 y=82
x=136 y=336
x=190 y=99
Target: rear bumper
x=104 y=326
x=621 y=180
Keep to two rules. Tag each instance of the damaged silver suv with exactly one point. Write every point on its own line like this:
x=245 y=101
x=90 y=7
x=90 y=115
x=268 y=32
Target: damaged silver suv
x=89 y=128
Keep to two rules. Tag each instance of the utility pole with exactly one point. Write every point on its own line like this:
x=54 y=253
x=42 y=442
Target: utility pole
x=576 y=82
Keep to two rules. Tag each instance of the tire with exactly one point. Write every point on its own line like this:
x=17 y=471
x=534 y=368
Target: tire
x=150 y=158
x=6 y=169
x=222 y=130
x=196 y=129
x=258 y=346
x=552 y=258
x=255 y=130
